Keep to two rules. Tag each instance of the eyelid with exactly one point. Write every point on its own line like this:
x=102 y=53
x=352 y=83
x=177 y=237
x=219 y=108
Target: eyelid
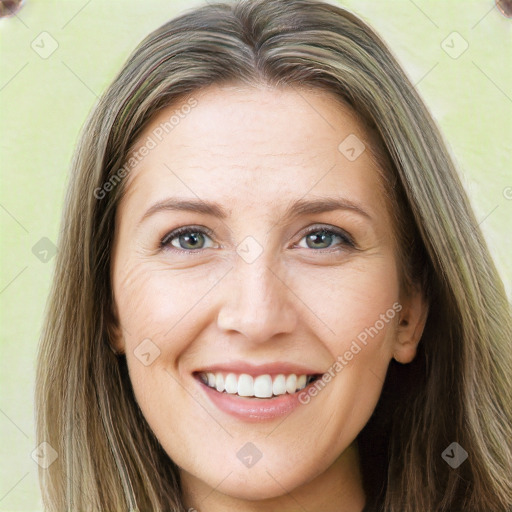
x=333 y=229
x=165 y=241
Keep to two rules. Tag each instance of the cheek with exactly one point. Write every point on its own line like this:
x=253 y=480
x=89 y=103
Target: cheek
x=354 y=302
x=368 y=314
x=361 y=309
x=161 y=311
x=157 y=302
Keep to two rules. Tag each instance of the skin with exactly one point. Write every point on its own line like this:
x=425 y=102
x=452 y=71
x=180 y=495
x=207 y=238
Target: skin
x=254 y=151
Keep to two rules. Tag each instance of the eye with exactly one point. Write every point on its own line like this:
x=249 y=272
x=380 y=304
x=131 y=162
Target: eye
x=192 y=239
x=187 y=239
x=322 y=238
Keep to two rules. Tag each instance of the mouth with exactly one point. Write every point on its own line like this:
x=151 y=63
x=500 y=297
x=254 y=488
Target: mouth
x=255 y=392
x=263 y=386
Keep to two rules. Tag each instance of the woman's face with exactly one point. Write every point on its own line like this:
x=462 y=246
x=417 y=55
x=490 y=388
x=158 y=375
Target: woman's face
x=288 y=272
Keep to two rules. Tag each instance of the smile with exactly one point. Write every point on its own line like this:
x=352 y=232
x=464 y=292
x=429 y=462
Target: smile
x=260 y=386
x=255 y=393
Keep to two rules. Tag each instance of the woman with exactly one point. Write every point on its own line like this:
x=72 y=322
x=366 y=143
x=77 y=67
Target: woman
x=271 y=292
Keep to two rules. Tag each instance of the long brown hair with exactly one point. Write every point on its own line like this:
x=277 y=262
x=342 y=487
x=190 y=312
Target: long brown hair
x=457 y=389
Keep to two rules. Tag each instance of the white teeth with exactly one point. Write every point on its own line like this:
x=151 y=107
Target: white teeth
x=291 y=383
x=279 y=385
x=245 y=385
x=231 y=384
x=262 y=386
x=219 y=382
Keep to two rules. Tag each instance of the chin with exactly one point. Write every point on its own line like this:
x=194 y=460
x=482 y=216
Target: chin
x=262 y=481
x=251 y=486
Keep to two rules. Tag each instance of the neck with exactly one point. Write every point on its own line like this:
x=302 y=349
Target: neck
x=338 y=489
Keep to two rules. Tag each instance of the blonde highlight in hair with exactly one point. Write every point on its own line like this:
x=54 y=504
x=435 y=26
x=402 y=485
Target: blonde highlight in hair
x=458 y=387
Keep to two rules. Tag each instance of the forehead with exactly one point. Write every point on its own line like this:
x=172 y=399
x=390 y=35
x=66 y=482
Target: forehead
x=247 y=143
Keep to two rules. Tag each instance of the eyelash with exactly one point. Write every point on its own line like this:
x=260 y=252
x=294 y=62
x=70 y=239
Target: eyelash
x=165 y=244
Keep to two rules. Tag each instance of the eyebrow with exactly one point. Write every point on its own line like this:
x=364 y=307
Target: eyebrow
x=297 y=208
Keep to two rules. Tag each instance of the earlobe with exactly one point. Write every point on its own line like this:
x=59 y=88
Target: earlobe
x=113 y=346
x=115 y=339
x=413 y=318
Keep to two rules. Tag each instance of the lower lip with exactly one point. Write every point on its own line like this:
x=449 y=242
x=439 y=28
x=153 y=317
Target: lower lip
x=253 y=409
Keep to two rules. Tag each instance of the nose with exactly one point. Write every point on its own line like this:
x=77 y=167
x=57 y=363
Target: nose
x=258 y=302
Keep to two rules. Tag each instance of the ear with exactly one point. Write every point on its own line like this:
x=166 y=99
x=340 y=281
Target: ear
x=114 y=331
x=412 y=320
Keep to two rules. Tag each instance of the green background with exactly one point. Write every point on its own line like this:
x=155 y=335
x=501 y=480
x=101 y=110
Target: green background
x=44 y=102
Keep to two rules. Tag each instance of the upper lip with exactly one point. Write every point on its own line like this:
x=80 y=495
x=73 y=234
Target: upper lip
x=273 y=368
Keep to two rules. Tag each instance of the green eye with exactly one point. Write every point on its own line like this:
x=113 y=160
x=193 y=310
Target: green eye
x=186 y=239
x=193 y=239
x=323 y=238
